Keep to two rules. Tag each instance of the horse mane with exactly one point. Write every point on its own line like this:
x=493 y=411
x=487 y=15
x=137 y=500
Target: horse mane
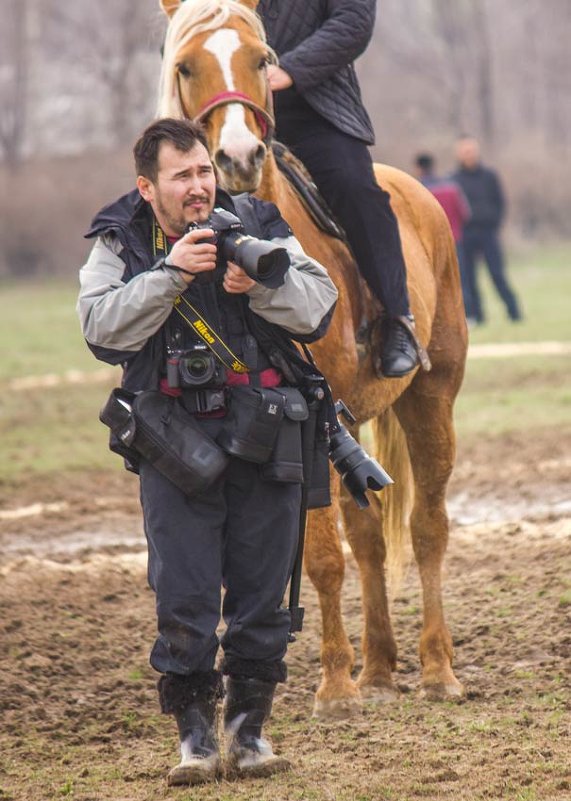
x=190 y=19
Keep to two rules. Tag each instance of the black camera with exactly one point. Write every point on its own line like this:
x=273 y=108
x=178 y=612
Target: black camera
x=262 y=261
x=359 y=471
x=194 y=368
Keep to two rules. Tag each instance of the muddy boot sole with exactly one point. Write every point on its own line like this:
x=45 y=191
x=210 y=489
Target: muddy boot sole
x=258 y=768
x=200 y=771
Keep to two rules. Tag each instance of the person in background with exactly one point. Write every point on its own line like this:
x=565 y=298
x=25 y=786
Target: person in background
x=320 y=116
x=483 y=189
x=452 y=199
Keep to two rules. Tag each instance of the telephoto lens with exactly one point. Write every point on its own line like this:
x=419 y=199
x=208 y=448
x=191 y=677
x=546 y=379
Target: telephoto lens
x=359 y=471
x=263 y=262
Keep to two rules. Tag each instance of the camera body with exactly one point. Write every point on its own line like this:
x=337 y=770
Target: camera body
x=261 y=260
x=194 y=368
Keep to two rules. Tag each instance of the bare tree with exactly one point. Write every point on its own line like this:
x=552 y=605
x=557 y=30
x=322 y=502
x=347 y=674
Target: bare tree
x=105 y=40
x=14 y=74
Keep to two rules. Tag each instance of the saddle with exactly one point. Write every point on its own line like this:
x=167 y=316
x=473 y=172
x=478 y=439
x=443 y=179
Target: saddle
x=308 y=192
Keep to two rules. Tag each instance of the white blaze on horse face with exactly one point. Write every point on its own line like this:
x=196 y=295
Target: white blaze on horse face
x=235 y=138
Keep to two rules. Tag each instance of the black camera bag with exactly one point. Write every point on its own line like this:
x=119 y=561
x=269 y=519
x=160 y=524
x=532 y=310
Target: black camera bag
x=286 y=461
x=251 y=426
x=158 y=428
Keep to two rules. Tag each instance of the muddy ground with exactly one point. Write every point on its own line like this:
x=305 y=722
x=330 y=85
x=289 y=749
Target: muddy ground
x=79 y=716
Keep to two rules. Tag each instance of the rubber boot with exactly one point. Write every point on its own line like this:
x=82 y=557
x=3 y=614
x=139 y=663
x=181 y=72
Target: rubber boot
x=248 y=707
x=193 y=704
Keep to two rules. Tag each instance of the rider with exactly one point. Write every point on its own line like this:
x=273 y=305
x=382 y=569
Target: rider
x=321 y=118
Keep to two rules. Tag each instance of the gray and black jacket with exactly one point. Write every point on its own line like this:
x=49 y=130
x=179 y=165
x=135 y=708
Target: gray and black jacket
x=317 y=42
x=126 y=307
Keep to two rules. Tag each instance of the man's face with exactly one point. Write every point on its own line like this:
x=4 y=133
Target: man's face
x=184 y=188
x=468 y=153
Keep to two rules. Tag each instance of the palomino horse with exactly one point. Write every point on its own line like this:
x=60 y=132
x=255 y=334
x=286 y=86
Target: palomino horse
x=214 y=70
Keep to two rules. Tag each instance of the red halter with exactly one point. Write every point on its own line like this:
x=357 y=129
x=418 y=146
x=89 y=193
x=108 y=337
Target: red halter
x=264 y=117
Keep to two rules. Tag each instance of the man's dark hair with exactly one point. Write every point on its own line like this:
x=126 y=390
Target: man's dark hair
x=182 y=134
x=425 y=162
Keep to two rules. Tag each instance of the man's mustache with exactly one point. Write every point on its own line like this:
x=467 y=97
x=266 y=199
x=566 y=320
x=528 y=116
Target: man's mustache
x=196 y=199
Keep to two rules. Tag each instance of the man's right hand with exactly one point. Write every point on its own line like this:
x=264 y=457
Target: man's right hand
x=278 y=79
x=192 y=254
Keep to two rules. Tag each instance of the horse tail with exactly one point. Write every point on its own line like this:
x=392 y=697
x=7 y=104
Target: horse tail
x=396 y=500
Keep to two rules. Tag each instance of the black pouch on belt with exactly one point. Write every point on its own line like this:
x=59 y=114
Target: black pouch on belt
x=251 y=426
x=166 y=435
x=286 y=461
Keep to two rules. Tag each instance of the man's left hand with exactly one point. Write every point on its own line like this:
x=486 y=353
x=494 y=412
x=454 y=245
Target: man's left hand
x=236 y=280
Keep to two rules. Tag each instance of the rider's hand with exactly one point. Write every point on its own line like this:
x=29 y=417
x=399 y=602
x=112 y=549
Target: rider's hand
x=236 y=280
x=193 y=255
x=278 y=79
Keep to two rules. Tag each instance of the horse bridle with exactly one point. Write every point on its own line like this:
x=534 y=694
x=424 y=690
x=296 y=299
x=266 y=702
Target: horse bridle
x=264 y=116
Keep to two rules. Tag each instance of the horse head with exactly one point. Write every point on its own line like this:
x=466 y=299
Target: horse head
x=214 y=71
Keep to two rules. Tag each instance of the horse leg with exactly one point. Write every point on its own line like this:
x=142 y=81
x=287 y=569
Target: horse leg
x=337 y=695
x=363 y=529
x=425 y=413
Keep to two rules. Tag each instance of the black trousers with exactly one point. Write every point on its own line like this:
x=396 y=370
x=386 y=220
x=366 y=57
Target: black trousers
x=241 y=534
x=342 y=169
x=484 y=242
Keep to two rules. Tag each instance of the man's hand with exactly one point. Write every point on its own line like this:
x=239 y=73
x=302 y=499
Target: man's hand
x=278 y=79
x=192 y=255
x=236 y=280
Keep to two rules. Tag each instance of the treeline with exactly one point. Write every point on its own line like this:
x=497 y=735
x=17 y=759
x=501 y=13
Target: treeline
x=78 y=82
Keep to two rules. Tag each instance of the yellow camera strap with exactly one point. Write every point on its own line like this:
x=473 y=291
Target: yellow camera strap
x=193 y=317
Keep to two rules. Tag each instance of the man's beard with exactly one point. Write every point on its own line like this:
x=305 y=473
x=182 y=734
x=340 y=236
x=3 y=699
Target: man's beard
x=178 y=224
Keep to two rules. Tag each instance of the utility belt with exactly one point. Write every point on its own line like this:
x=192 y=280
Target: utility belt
x=262 y=425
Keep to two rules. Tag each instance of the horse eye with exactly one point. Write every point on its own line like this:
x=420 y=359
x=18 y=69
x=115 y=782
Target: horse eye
x=183 y=69
x=264 y=61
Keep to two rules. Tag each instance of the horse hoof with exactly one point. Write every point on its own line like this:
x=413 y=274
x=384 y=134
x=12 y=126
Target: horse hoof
x=326 y=709
x=443 y=692
x=384 y=694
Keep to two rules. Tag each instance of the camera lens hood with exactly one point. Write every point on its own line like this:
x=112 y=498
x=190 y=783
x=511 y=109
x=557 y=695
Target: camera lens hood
x=359 y=472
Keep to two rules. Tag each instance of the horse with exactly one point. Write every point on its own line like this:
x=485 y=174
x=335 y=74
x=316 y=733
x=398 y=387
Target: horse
x=214 y=61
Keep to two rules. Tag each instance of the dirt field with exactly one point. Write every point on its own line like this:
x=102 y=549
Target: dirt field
x=78 y=703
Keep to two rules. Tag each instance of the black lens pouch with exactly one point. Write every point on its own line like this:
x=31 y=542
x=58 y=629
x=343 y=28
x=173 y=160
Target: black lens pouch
x=286 y=461
x=158 y=428
x=251 y=427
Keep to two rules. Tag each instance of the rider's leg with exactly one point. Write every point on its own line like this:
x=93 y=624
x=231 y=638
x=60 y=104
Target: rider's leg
x=341 y=167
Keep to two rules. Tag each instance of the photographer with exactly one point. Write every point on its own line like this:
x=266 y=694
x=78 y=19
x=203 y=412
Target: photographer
x=242 y=531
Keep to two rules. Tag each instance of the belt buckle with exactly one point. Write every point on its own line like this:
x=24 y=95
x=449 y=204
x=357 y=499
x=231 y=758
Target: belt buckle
x=209 y=400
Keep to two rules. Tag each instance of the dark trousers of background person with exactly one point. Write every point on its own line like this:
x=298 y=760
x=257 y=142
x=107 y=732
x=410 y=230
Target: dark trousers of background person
x=484 y=243
x=242 y=533
x=342 y=169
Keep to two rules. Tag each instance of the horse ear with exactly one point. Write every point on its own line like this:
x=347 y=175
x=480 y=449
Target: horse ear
x=170 y=6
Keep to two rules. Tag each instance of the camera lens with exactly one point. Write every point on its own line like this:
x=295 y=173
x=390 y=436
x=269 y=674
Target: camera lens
x=197 y=369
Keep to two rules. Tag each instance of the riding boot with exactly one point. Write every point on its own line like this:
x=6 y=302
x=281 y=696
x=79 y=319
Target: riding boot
x=192 y=700
x=248 y=707
x=400 y=349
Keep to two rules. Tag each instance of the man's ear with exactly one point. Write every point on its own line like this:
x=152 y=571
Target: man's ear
x=146 y=188
x=170 y=6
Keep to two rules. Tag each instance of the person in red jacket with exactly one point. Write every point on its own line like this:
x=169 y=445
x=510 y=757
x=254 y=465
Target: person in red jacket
x=448 y=193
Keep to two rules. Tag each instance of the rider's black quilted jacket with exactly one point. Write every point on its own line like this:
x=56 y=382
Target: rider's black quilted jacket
x=317 y=41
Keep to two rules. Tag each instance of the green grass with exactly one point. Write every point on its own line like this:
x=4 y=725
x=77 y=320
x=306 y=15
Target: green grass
x=53 y=429
x=541 y=277
x=39 y=330
x=521 y=393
